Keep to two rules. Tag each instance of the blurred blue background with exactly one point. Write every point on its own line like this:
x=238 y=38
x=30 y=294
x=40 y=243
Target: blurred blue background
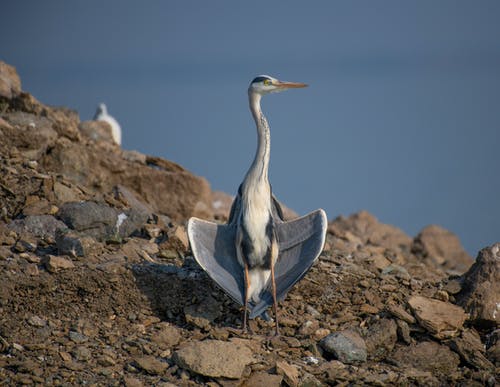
x=402 y=116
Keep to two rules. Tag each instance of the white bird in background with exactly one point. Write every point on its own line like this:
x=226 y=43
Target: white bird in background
x=101 y=114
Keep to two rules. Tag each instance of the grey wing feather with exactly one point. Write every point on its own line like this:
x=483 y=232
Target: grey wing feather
x=300 y=243
x=214 y=249
x=277 y=211
x=235 y=209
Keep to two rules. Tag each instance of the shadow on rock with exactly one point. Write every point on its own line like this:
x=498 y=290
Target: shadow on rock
x=185 y=295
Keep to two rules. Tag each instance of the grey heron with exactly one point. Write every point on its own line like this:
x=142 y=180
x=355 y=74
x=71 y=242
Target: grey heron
x=258 y=256
x=102 y=114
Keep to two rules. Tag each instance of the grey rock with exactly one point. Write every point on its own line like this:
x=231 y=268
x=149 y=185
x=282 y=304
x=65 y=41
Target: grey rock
x=77 y=337
x=82 y=353
x=481 y=287
x=203 y=313
x=347 y=346
x=72 y=244
x=214 y=358
x=99 y=220
x=126 y=195
x=96 y=219
x=26 y=242
x=37 y=321
x=41 y=226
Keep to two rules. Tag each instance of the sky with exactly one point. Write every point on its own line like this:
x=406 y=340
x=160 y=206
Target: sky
x=401 y=117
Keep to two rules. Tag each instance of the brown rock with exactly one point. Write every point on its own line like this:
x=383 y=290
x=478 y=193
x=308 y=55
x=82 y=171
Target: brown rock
x=130 y=381
x=5 y=252
x=259 y=379
x=403 y=331
x=289 y=372
x=493 y=352
x=399 y=312
x=471 y=349
x=39 y=206
x=151 y=365
x=65 y=192
x=368 y=229
x=481 y=288
x=81 y=353
x=443 y=248
x=221 y=204
x=10 y=83
x=427 y=356
x=54 y=264
x=441 y=319
x=96 y=130
x=177 y=238
x=381 y=338
x=309 y=380
x=167 y=336
x=214 y=358
x=165 y=186
x=37 y=321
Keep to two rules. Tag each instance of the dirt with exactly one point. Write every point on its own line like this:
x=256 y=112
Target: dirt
x=124 y=307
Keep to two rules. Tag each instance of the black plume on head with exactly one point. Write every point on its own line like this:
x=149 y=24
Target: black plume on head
x=260 y=79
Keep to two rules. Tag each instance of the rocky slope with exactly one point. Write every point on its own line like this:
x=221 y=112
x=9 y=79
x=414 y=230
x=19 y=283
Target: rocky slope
x=98 y=286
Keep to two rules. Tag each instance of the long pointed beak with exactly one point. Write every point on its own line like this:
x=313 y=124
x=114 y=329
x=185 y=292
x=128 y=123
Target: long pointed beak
x=289 y=85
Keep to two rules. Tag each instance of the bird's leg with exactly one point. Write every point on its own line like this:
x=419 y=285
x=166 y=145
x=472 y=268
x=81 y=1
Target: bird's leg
x=247 y=287
x=275 y=302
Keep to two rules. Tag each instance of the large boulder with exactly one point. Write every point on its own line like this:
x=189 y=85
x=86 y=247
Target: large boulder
x=165 y=186
x=441 y=248
x=364 y=228
x=480 y=294
x=10 y=83
x=214 y=358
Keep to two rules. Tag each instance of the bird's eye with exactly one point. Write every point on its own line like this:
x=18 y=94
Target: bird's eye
x=267 y=82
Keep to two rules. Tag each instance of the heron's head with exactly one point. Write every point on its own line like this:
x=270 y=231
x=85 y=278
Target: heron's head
x=264 y=84
x=102 y=108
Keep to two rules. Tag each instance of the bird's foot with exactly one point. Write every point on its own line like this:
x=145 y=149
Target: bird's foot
x=246 y=330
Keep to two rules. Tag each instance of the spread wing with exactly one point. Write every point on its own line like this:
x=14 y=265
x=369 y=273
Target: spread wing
x=214 y=249
x=300 y=243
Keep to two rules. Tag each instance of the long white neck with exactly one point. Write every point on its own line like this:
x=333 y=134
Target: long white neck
x=258 y=172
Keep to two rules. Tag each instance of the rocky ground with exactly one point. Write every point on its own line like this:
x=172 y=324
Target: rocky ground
x=98 y=286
